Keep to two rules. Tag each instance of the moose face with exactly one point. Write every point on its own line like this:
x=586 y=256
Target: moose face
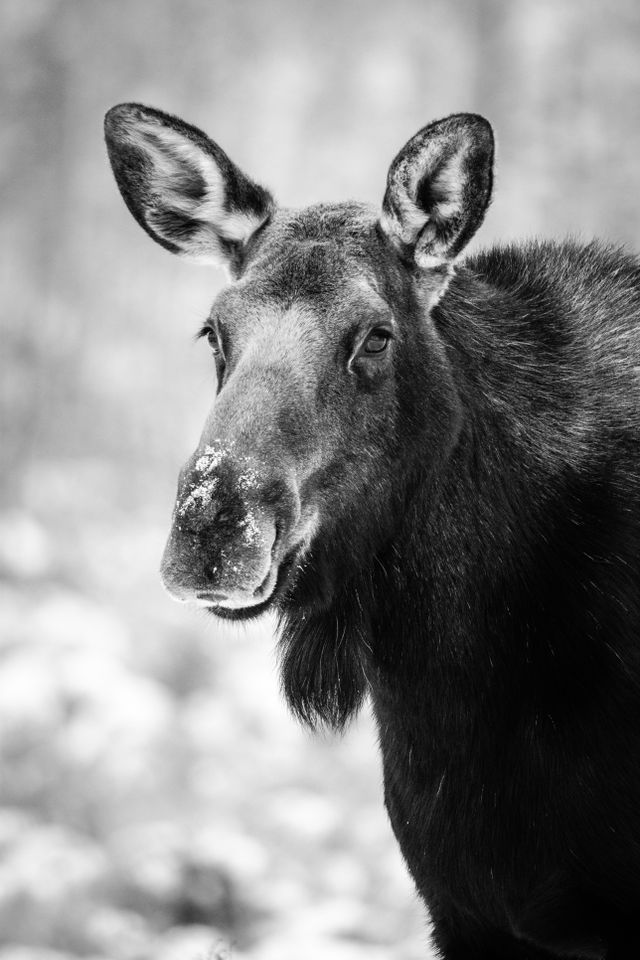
x=304 y=425
x=319 y=344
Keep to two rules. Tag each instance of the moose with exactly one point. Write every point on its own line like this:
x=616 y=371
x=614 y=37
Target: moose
x=429 y=468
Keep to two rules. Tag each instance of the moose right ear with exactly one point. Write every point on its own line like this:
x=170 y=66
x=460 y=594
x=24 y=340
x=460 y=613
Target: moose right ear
x=181 y=187
x=438 y=189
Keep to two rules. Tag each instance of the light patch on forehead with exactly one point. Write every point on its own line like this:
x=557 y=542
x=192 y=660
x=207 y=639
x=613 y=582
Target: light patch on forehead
x=265 y=335
x=362 y=295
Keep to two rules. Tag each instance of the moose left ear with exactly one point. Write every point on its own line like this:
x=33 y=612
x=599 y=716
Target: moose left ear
x=438 y=189
x=181 y=186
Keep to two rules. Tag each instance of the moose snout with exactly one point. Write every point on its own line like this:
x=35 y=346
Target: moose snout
x=229 y=532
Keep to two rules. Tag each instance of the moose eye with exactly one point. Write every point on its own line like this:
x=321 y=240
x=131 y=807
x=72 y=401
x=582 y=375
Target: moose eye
x=376 y=343
x=214 y=343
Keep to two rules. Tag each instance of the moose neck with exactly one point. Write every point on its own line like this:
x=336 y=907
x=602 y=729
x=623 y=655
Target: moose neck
x=439 y=648
x=469 y=547
x=487 y=546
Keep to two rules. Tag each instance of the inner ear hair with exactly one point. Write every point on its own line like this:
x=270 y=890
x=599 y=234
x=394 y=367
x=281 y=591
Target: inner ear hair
x=181 y=186
x=438 y=189
x=187 y=179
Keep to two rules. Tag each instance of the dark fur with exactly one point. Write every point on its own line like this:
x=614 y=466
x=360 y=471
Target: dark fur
x=502 y=626
x=476 y=569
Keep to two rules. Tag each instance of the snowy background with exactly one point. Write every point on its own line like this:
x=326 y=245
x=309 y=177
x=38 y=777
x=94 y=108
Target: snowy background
x=156 y=800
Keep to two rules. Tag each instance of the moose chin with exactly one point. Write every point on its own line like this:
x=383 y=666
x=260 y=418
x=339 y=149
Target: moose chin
x=429 y=466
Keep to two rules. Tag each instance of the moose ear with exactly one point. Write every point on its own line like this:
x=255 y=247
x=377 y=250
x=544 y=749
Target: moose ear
x=438 y=189
x=181 y=187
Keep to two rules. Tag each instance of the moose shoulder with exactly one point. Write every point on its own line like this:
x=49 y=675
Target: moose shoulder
x=430 y=468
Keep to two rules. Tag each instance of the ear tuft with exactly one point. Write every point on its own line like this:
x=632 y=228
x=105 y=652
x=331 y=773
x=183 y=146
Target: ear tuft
x=438 y=189
x=180 y=186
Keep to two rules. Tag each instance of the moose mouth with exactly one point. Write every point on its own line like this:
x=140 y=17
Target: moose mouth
x=274 y=585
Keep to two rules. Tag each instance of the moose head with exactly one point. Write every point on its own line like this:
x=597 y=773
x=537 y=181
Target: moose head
x=334 y=391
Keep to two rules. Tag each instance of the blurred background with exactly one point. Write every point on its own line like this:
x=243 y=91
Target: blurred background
x=156 y=800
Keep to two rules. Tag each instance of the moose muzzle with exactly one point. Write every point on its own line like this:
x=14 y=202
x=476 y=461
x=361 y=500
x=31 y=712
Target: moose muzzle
x=232 y=526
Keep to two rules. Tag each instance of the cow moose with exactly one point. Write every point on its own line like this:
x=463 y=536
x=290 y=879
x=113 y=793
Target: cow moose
x=429 y=467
